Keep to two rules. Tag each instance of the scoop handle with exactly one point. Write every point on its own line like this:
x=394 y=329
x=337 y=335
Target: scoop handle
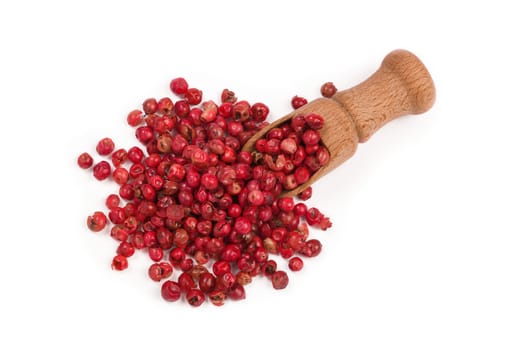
x=402 y=85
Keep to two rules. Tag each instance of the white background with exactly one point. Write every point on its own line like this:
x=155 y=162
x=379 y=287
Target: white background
x=427 y=250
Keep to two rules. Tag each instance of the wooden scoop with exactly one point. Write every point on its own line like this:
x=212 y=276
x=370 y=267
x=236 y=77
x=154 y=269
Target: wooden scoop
x=401 y=85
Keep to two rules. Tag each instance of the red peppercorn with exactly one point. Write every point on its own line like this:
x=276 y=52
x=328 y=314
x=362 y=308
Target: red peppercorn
x=314 y=121
x=179 y=86
x=311 y=137
x=286 y=204
x=85 y=161
x=135 y=155
x=135 y=117
x=231 y=253
x=150 y=106
x=269 y=268
x=206 y=282
x=97 y=221
x=328 y=89
x=288 y=146
x=193 y=96
x=144 y=134
x=279 y=279
x=102 y=170
x=295 y=263
x=186 y=264
x=286 y=253
x=306 y=194
x=296 y=240
x=155 y=272
x=118 y=157
x=119 y=263
x=120 y=176
x=217 y=297
x=237 y=292
x=302 y=175
x=225 y=281
x=209 y=181
x=186 y=281
x=155 y=254
x=260 y=112
x=228 y=96
x=171 y=291
x=105 y=146
x=242 y=225
x=298 y=102
x=117 y=215
x=311 y=248
x=195 y=297
x=220 y=267
x=241 y=111
x=125 y=249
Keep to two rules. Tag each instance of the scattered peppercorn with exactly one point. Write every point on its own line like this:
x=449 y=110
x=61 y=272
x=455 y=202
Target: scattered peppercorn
x=328 y=89
x=197 y=203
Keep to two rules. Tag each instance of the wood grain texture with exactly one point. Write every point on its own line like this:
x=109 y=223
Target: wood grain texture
x=401 y=86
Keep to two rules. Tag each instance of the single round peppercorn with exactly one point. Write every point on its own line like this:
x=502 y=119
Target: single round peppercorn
x=102 y=170
x=112 y=201
x=256 y=198
x=117 y=215
x=209 y=181
x=195 y=297
x=150 y=106
x=328 y=89
x=135 y=117
x=306 y=194
x=155 y=254
x=85 y=161
x=206 y=282
x=217 y=297
x=243 y=278
x=135 y=155
x=105 y=146
x=279 y=279
x=119 y=263
x=97 y=221
x=220 y=267
x=311 y=137
x=155 y=272
x=286 y=204
x=193 y=96
x=242 y=225
x=269 y=268
x=302 y=175
x=179 y=86
x=298 y=102
x=288 y=146
x=171 y=291
x=118 y=157
x=260 y=111
x=125 y=249
x=237 y=292
x=231 y=253
x=226 y=281
x=314 y=121
x=186 y=264
x=120 y=176
x=186 y=281
x=295 y=263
